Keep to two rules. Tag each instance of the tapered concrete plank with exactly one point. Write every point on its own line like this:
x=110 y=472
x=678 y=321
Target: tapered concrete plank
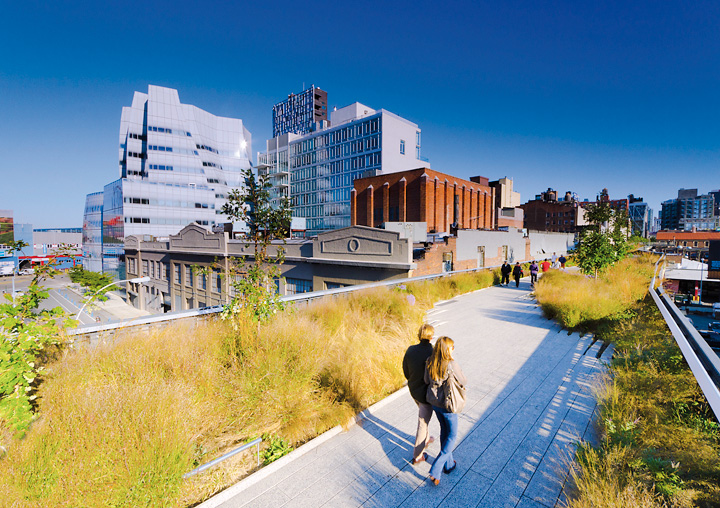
x=466 y=492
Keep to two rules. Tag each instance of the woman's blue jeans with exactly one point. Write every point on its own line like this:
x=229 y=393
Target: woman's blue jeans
x=448 y=435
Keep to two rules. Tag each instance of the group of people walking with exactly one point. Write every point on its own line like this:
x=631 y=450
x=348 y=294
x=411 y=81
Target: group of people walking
x=437 y=384
x=517 y=272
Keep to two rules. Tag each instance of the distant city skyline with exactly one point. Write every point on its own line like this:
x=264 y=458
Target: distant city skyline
x=569 y=96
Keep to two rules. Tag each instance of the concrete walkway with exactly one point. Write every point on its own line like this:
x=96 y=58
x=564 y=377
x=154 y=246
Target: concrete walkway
x=529 y=400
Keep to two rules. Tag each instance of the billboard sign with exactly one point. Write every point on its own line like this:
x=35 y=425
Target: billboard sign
x=7 y=267
x=714 y=260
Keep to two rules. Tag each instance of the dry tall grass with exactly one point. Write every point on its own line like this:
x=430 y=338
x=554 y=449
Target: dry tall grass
x=582 y=302
x=120 y=423
x=661 y=443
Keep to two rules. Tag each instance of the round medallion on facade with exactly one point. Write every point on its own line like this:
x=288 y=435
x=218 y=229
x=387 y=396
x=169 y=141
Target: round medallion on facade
x=353 y=245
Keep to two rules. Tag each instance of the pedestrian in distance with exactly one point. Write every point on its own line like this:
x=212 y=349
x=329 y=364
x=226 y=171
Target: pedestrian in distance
x=533 y=272
x=545 y=265
x=446 y=393
x=517 y=273
x=562 y=261
x=414 y=369
x=505 y=270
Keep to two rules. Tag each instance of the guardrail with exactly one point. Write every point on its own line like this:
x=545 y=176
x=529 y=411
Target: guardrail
x=703 y=361
x=208 y=465
x=302 y=297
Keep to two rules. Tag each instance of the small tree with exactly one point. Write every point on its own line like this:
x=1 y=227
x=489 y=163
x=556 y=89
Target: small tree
x=26 y=333
x=92 y=281
x=254 y=284
x=604 y=240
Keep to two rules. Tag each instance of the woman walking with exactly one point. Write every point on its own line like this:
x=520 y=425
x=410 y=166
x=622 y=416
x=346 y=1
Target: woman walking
x=441 y=372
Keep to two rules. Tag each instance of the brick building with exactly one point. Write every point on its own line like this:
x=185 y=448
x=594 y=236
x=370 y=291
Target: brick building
x=547 y=213
x=423 y=195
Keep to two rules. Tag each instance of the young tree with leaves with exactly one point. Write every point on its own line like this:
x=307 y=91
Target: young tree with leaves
x=26 y=335
x=604 y=240
x=254 y=284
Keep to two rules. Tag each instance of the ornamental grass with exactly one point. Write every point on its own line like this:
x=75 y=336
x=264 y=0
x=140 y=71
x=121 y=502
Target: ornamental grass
x=121 y=422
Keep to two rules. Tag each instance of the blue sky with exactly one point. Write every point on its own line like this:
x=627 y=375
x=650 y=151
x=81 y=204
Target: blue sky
x=570 y=95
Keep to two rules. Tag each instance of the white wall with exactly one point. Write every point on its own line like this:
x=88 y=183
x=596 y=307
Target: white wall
x=348 y=113
x=543 y=244
x=395 y=129
x=468 y=241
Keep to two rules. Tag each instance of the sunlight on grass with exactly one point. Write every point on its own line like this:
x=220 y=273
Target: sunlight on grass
x=660 y=441
x=120 y=423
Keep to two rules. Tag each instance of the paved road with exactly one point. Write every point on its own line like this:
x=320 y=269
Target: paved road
x=529 y=400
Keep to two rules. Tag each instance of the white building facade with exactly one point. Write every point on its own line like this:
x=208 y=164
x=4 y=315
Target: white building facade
x=316 y=171
x=177 y=164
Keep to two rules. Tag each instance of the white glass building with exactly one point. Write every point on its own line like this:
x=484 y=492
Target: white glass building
x=177 y=164
x=316 y=171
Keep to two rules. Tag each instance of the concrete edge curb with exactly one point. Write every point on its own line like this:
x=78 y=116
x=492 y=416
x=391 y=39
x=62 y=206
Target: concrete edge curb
x=266 y=471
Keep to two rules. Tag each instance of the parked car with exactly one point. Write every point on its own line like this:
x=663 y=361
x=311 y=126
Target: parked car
x=27 y=271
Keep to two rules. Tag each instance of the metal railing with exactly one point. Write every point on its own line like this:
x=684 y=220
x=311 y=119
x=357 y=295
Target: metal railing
x=302 y=297
x=703 y=361
x=212 y=463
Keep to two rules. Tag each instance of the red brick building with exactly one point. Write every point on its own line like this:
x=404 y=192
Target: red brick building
x=423 y=195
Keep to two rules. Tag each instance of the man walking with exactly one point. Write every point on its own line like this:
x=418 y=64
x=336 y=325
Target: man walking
x=562 y=261
x=517 y=273
x=414 y=370
x=505 y=270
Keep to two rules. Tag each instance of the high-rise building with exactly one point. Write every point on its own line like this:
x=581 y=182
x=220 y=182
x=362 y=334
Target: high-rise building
x=689 y=211
x=299 y=112
x=177 y=164
x=316 y=171
x=641 y=216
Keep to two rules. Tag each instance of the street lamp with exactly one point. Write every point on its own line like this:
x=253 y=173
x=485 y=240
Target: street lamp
x=136 y=280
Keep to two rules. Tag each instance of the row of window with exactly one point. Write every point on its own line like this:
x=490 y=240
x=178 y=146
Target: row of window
x=183 y=151
x=337 y=136
x=328 y=196
x=132 y=135
x=165 y=221
x=336 y=152
x=177 y=169
x=206 y=147
x=560 y=214
x=166 y=202
x=355 y=165
x=165 y=130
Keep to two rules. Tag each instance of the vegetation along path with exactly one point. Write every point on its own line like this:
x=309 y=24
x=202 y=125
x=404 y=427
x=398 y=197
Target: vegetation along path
x=529 y=399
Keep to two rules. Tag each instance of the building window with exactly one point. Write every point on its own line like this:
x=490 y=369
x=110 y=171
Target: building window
x=402 y=146
x=178 y=274
x=297 y=286
x=217 y=281
x=188 y=276
x=166 y=271
x=203 y=281
x=145 y=267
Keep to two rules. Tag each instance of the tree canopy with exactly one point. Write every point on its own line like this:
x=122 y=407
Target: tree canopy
x=254 y=284
x=604 y=240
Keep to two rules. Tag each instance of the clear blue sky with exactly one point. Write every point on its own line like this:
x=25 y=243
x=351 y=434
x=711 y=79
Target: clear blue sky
x=571 y=95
